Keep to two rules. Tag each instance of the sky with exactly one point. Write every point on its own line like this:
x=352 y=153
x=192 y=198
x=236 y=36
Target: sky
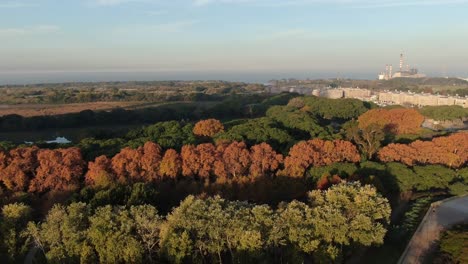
x=271 y=38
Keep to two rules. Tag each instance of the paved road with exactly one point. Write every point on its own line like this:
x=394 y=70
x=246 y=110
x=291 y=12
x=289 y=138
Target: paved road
x=440 y=216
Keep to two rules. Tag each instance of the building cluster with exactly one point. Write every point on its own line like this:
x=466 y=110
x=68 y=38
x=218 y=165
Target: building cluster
x=422 y=99
x=392 y=97
x=404 y=72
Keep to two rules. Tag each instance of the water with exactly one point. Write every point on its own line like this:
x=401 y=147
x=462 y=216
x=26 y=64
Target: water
x=58 y=140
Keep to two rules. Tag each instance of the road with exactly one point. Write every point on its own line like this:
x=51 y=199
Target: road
x=440 y=216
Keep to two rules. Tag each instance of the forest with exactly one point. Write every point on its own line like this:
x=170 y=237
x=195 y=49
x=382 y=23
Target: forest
x=255 y=179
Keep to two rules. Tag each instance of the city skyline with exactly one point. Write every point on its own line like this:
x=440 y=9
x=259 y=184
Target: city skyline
x=297 y=37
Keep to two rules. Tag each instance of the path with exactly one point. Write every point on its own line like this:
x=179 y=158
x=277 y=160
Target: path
x=440 y=216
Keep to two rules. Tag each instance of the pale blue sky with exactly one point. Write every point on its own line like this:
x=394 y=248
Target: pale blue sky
x=350 y=37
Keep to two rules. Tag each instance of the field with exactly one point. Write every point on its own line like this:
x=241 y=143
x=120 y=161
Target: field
x=29 y=110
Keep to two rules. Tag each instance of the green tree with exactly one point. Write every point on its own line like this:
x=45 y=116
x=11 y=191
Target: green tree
x=147 y=224
x=13 y=220
x=347 y=214
x=62 y=236
x=369 y=139
x=111 y=233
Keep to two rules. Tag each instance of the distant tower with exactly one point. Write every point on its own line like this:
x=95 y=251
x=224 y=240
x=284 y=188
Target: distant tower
x=386 y=71
x=401 y=62
x=391 y=71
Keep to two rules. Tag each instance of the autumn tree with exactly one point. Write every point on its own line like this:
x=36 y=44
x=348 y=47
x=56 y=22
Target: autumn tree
x=398 y=121
x=235 y=160
x=264 y=160
x=208 y=128
x=100 y=172
x=318 y=152
x=198 y=160
x=138 y=165
x=450 y=151
x=59 y=170
x=17 y=168
x=150 y=161
x=327 y=180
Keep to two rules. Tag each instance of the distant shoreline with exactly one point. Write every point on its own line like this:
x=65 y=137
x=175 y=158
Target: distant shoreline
x=27 y=78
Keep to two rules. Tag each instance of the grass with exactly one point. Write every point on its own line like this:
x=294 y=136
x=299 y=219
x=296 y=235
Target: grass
x=453 y=247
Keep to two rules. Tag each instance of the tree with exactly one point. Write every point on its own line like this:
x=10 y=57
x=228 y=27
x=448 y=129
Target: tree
x=398 y=121
x=304 y=121
x=14 y=218
x=264 y=160
x=62 y=236
x=236 y=159
x=257 y=131
x=341 y=109
x=198 y=160
x=170 y=134
x=318 y=152
x=110 y=233
x=100 y=173
x=208 y=128
x=347 y=214
x=213 y=228
x=59 y=170
x=296 y=224
x=171 y=164
x=327 y=180
x=150 y=161
x=147 y=224
x=369 y=139
x=450 y=151
x=127 y=165
x=18 y=167
x=201 y=223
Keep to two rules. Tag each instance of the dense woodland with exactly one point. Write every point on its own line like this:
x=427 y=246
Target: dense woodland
x=121 y=91
x=282 y=179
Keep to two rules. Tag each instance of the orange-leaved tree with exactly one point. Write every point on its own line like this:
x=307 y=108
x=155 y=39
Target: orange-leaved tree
x=451 y=151
x=264 y=160
x=100 y=172
x=318 y=152
x=208 y=128
x=397 y=121
x=59 y=170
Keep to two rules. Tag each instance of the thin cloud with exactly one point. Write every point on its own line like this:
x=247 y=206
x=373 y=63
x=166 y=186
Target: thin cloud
x=15 y=5
x=156 y=12
x=349 y=3
x=118 y=2
x=411 y=3
x=27 y=31
x=286 y=34
x=170 y=27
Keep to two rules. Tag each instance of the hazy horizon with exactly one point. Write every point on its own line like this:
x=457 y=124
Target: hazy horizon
x=20 y=78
